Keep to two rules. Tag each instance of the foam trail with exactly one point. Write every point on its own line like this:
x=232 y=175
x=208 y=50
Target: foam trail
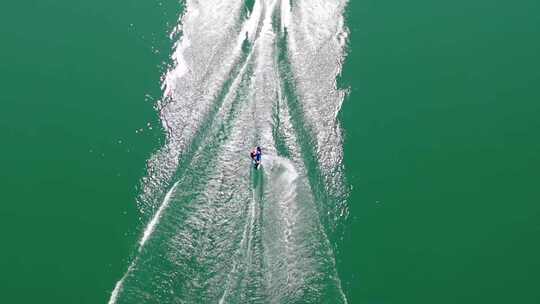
x=147 y=232
x=217 y=230
x=152 y=225
x=192 y=85
x=118 y=286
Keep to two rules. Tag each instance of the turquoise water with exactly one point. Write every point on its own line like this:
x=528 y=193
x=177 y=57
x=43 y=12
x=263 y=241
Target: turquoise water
x=434 y=198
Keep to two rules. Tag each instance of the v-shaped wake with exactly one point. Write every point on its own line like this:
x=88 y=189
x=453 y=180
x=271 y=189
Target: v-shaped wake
x=217 y=230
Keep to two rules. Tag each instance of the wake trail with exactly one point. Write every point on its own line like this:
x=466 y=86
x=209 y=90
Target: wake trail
x=217 y=230
x=155 y=219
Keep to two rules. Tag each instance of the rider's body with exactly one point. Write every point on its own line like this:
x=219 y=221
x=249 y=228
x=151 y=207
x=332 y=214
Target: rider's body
x=256 y=156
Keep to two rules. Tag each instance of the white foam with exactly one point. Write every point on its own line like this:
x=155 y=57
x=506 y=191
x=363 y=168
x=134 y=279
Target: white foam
x=146 y=235
x=180 y=69
x=287 y=230
x=155 y=220
x=285 y=14
x=118 y=286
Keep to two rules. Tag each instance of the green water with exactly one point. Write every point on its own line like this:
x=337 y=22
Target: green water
x=74 y=82
x=441 y=148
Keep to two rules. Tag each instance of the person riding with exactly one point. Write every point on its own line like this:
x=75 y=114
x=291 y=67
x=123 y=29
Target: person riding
x=256 y=156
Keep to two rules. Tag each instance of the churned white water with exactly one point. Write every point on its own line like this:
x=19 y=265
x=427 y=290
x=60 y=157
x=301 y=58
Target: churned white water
x=217 y=230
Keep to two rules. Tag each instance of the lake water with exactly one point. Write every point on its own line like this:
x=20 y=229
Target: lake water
x=400 y=147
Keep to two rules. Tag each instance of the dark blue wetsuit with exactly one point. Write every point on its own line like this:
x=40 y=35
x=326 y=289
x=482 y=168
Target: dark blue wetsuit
x=256 y=156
